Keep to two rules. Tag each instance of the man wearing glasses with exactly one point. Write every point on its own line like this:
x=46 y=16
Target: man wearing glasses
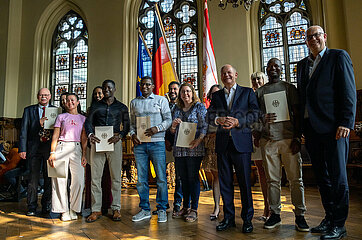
x=327 y=89
x=35 y=147
x=156 y=109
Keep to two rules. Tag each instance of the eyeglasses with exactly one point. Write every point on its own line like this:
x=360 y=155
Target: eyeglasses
x=44 y=95
x=316 y=35
x=146 y=84
x=186 y=91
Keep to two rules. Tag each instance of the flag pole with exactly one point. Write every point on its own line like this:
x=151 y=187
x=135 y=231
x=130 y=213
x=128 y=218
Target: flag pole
x=164 y=37
x=144 y=42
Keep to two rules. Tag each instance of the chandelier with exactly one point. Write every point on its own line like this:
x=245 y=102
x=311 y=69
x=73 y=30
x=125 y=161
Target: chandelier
x=237 y=3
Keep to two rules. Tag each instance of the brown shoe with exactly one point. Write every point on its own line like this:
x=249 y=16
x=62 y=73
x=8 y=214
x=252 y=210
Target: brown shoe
x=192 y=216
x=116 y=215
x=93 y=217
x=180 y=214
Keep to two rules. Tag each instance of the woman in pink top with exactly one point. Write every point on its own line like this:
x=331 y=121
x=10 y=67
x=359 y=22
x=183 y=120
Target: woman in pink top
x=69 y=144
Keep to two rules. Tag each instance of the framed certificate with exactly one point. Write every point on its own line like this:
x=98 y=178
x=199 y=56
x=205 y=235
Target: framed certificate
x=51 y=113
x=186 y=134
x=104 y=133
x=142 y=124
x=59 y=169
x=277 y=103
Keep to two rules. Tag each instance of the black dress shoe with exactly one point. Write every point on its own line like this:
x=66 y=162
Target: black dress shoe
x=324 y=227
x=225 y=224
x=45 y=211
x=335 y=233
x=247 y=227
x=30 y=213
x=104 y=211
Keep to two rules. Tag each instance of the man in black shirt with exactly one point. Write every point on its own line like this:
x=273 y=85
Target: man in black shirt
x=107 y=112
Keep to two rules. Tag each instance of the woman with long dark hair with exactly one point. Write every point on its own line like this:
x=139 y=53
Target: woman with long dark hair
x=107 y=198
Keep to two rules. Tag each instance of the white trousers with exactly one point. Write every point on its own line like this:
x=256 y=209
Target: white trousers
x=71 y=153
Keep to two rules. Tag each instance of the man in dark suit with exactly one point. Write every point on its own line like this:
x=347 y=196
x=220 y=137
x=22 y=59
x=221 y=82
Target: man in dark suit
x=328 y=95
x=35 y=147
x=233 y=109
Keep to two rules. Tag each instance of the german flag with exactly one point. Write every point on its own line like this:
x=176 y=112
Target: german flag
x=162 y=71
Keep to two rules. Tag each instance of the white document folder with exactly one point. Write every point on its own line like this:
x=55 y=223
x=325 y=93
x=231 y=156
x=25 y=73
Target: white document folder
x=277 y=103
x=186 y=134
x=51 y=113
x=104 y=133
x=59 y=169
x=142 y=124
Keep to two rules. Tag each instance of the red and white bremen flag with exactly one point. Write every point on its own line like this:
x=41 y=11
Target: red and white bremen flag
x=209 y=65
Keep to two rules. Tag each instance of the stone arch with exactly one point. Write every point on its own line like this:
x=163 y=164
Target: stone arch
x=43 y=41
x=129 y=54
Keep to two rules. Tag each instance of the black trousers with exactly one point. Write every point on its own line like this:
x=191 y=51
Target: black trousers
x=329 y=159
x=188 y=168
x=38 y=164
x=242 y=165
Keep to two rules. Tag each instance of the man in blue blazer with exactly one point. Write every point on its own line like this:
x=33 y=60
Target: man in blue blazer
x=233 y=109
x=35 y=147
x=328 y=95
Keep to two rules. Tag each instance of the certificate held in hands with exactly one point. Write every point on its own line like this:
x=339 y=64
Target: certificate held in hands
x=104 y=133
x=186 y=134
x=142 y=124
x=51 y=113
x=277 y=103
x=58 y=171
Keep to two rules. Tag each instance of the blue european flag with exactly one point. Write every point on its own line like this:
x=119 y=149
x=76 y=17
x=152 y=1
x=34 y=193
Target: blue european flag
x=140 y=72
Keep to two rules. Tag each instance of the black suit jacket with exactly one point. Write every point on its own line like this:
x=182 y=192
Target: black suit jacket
x=29 y=134
x=330 y=94
x=245 y=108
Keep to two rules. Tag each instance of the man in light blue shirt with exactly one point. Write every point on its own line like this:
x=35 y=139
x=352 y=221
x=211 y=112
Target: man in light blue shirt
x=158 y=110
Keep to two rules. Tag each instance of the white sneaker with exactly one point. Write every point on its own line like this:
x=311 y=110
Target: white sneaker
x=66 y=217
x=142 y=215
x=73 y=215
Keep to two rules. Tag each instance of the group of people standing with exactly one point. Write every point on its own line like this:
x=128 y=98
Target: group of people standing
x=322 y=108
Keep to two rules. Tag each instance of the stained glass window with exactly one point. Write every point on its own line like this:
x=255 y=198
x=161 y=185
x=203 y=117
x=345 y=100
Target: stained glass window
x=179 y=19
x=70 y=59
x=283 y=25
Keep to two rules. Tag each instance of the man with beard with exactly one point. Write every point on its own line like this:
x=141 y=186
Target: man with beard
x=107 y=112
x=173 y=91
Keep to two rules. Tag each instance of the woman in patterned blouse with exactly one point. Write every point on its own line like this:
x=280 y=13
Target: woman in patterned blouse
x=188 y=159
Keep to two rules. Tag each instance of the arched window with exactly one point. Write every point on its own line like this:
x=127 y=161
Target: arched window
x=179 y=19
x=70 y=58
x=283 y=25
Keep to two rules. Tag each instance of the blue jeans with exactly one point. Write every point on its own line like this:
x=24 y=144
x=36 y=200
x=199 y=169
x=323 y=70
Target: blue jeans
x=156 y=152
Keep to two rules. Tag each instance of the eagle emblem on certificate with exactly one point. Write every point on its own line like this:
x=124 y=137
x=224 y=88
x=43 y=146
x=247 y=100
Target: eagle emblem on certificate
x=186 y=134
x=51 y=113
x=277 y=103
x=142 y=124
x=104 y=133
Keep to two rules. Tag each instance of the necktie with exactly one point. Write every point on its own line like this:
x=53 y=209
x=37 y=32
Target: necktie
x=44 y=134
